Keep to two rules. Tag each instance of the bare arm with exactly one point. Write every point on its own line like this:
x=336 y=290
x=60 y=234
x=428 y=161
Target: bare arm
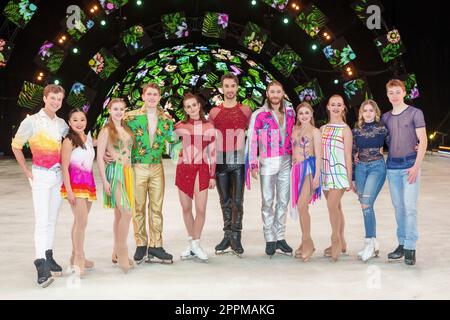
x=102 y=143
x=66 y=151
x=421 y=150
x=318 y=152
x=422 y=147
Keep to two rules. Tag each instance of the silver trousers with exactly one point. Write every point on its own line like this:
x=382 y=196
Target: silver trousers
x=275 y=180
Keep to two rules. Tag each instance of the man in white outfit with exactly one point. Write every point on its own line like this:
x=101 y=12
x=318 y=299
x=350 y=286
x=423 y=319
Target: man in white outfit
x=44 y=132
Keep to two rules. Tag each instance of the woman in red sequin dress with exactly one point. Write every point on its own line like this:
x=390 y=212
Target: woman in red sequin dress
x=195 y=171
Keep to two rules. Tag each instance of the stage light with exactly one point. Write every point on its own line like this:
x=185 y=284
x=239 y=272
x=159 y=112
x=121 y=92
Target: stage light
x=295 y=6
x=75 y=50
x=56 y=82
x=349 y=72
x=432 y=135
x=94 y=9
x=62 y=39
x=336 y=81
x=314 y=47
x=326 y=36
x=139 y=2
x=103 y=23
x=40 y=76
x=253 y=2
x=285 y=20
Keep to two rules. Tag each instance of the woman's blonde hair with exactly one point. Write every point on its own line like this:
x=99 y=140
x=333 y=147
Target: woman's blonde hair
x=305 y=104
x=113 y=135
x=375 y=107
x=345 y=107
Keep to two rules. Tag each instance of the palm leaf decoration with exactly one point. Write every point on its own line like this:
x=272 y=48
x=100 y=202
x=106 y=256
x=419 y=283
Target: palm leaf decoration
x=312 y=20
x=19 y=12
x=55 y=60
x=286 y=60
x=110 y=64
x=77 y=100
x=11 y=12
x=211 y=26
x=253 y=37
x=172 y=23
x=250 y=103
x=31 y=95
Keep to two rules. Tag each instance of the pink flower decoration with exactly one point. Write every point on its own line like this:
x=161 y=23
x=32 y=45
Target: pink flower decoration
x=393 y=36
x=223 y=20
x=43 y=51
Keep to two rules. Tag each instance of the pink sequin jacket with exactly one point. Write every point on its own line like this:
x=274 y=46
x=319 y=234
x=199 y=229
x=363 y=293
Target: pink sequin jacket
x=265 y=135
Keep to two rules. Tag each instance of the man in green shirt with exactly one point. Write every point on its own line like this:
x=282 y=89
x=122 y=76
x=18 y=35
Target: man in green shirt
x=152 y=129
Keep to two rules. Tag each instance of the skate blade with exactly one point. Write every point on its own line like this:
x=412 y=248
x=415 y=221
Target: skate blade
x=395 y=260
x=289 y=254
x=157 y=260
x=187 y=257
x=47 y=283
x=140 y=261
x=222 y=253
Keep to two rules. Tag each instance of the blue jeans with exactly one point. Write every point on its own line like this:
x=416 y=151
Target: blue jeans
x=369 y=179
x=404 y=198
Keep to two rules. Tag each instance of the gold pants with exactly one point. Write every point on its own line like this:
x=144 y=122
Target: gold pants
x=149 y=181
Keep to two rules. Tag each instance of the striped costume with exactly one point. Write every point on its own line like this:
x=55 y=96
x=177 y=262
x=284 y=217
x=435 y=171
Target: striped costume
x=334 y=170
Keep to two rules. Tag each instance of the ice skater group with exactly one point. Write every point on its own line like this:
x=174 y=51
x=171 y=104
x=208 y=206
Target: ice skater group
x=279 y=146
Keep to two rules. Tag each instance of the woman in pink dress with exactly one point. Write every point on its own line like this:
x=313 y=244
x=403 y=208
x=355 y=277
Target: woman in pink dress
x=77 y=158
